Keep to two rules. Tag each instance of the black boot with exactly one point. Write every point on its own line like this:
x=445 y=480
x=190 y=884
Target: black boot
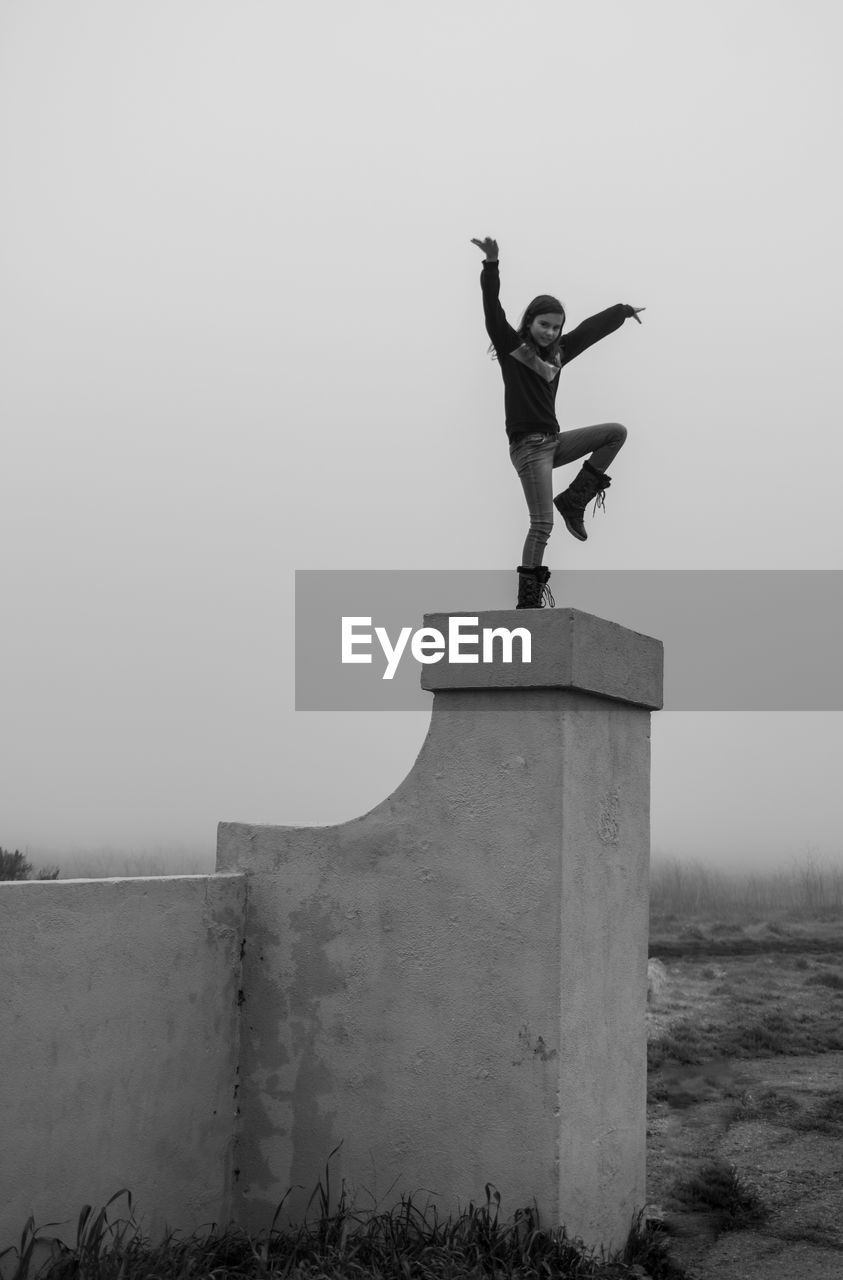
x=533 y=589
x=571 y=505
x=543 y=575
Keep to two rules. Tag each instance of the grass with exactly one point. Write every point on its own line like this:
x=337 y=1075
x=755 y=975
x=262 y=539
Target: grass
x=401 y=1243
x=749 y=1032
x=768 y=1005
x=718 y=1191
x=833 y=980
x=824 y=1115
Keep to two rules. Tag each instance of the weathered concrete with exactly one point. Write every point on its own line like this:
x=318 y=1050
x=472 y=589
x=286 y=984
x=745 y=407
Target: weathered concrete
x=454 y=985
x=570 y=650
x=118 y=1050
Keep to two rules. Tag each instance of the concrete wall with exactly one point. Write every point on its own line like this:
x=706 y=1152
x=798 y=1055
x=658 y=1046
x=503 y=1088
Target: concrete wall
x=118 y=1049
x=454 y=985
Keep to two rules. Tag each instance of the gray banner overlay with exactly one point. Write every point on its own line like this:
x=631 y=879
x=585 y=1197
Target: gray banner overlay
x=734 y=640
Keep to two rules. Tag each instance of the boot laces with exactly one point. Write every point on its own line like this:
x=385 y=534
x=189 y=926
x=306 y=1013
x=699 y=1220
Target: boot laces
x=547 y=597
x=599 y=501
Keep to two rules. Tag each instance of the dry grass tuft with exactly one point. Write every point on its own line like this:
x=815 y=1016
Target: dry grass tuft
x=718 y=1191
x=402 y=1243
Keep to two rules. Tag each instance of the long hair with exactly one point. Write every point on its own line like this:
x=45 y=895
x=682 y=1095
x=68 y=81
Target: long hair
x=544 y=304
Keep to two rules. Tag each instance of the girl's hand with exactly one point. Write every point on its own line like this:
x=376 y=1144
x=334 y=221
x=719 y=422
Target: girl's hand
x=633 y=312
x=490 y=248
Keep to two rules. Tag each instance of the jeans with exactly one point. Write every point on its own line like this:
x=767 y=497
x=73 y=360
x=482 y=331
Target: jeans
x=534 y=457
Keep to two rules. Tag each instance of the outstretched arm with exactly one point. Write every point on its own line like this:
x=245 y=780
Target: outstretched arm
x=595 y=328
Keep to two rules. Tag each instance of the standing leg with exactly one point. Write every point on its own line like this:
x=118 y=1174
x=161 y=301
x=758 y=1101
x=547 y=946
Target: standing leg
x=532 y=458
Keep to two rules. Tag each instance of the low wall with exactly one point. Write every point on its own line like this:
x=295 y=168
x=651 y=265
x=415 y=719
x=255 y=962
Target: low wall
x=118 y=1050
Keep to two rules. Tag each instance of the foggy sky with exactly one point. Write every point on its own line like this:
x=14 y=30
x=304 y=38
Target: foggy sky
x=242 y=335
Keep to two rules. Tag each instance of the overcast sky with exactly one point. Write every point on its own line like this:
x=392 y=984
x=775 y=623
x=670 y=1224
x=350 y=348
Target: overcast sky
x=242 y=335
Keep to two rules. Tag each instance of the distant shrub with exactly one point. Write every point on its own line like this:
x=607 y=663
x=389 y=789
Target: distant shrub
x=830 y=1109
x=825 y=979
x=768 y=1105
x=681 y=890
x=718 y=1189
x=14 y=866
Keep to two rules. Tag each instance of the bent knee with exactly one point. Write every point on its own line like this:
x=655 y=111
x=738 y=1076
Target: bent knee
x=619 y=431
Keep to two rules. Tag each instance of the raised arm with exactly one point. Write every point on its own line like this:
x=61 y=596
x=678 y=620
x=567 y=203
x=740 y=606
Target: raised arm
x=498 y=327
x=489 y=247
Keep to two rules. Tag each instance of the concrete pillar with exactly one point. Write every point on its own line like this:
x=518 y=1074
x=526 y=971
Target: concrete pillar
x=454 y=985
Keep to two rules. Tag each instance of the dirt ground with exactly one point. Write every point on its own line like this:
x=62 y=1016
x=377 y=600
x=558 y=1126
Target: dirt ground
x=775 y=1117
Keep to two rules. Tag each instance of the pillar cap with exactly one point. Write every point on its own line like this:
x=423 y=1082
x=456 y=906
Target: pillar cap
x=569 y=649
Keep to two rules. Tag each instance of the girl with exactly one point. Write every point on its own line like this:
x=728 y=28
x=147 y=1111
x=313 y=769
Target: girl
x=531 y=358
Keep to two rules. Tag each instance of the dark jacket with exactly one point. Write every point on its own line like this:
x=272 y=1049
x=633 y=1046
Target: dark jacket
x=530 y=383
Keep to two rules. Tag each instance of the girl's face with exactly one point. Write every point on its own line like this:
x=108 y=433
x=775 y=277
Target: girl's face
x=545 y=329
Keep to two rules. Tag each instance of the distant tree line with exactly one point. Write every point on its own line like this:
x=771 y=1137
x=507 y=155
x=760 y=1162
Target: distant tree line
x=15 y=866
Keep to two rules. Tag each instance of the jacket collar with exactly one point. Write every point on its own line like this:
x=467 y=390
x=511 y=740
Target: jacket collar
x=531 y=358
